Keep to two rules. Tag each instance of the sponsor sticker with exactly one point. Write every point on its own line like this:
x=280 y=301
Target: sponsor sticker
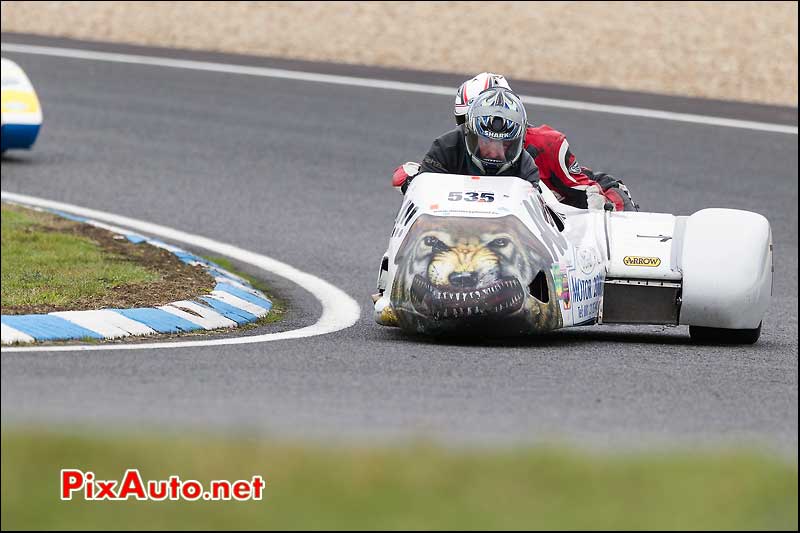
x=585 y=295
x=561 y=282
x=586 y=260
x=636 y=261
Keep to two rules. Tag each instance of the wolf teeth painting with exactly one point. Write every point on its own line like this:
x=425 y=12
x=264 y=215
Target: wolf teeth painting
x=474 y=275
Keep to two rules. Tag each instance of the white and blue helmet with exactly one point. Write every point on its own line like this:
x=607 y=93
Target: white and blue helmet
x=495 y=129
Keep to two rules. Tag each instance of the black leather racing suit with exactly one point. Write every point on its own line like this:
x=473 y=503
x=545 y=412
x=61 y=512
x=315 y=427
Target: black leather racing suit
x=448 y=155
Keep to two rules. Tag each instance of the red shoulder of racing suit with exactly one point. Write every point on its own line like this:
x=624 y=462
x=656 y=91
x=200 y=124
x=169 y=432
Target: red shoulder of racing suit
x=560 y=171
x=558 y=167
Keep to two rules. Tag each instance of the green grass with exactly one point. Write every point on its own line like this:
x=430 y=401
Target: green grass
x=42 y=267
x=406 y=487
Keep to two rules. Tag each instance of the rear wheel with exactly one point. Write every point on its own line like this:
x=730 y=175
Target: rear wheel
x=705 y=335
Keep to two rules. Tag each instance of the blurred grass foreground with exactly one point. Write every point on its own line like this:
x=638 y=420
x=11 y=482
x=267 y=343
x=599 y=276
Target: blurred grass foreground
x=416 y=486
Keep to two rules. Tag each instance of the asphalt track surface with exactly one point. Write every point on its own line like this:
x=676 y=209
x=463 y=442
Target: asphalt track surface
x=300 y=171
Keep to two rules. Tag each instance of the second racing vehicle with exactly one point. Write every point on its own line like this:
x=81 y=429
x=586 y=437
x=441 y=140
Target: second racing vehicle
x=20 y=112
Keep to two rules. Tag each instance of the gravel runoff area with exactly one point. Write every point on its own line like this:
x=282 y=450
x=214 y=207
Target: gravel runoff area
x=744 y=51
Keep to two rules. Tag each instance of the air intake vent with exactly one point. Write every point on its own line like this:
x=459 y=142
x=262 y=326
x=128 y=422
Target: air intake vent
x=538 y=288
x=410 y=214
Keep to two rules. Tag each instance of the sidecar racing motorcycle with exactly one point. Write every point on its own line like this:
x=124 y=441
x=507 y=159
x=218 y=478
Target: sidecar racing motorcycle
x=501 y=256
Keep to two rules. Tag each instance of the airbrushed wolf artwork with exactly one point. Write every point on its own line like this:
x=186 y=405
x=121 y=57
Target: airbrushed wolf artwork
x=495 y=255
x=460 y=272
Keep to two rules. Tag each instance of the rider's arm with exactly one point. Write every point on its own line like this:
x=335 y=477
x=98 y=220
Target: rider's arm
x=574 y=183
x=614 y=190
x=576 y=177
x=527 y=168
x=404 y=174
x=565 y=167
x=440 y=156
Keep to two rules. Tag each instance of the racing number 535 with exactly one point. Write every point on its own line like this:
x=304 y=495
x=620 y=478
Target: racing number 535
x=470 y=196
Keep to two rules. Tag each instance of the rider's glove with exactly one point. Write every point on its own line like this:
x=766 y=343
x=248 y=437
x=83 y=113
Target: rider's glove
x=596 y=200
x=404 y=174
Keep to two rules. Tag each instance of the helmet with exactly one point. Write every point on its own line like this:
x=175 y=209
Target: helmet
x=495 y=130
x=470 y=89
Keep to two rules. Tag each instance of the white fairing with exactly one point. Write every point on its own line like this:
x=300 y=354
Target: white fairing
x=641 y=246
x=726 y=261
x=20 y=104
x=20 y=112
x=576 y=258
x=711 y=269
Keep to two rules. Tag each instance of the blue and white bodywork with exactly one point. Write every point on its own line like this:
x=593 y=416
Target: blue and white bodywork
x=21 y=112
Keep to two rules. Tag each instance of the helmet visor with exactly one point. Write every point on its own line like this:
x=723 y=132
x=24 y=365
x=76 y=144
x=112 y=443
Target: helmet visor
x=495 y=146
x=492 y=150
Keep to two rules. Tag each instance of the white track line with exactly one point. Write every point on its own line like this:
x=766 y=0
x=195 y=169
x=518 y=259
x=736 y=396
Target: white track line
x=339 y=310
x=391 y=85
